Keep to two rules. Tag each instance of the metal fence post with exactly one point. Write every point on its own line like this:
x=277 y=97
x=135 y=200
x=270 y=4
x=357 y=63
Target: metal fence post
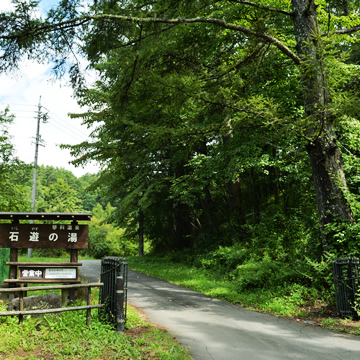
x=120 y=322
x=346 y=279
x=114 y=292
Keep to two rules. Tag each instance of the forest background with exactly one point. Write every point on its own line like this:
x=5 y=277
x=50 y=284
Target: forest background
x=228 y=131
x=59 y=190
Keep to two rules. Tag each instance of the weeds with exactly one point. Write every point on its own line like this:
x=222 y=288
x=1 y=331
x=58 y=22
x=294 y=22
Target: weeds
x=66 y=336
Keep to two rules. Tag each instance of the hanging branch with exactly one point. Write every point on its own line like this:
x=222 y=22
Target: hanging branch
x=87 y=18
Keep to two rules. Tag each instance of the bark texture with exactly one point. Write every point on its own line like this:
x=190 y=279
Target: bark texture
x=323 y=150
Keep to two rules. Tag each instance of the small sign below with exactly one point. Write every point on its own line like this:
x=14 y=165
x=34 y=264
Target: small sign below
x=60 y=273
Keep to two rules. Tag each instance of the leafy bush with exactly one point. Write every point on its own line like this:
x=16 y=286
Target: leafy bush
x=107 y=240
x=100 y=249
x=224 y=259
x=264 y=273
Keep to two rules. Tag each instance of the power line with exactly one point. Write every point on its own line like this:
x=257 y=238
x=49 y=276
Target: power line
x=66 y=124
x=10 y=104
x=65 y=132
x=55 y=120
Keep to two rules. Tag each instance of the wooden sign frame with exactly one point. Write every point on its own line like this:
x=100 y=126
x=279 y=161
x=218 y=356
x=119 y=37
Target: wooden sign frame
x=44 y=236
x=49 y=236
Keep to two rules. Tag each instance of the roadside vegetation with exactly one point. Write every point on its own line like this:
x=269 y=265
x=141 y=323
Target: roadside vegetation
x=259 y=287
x=67 y=337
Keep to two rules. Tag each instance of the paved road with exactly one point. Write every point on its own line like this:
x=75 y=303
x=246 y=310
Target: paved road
x=216 y=330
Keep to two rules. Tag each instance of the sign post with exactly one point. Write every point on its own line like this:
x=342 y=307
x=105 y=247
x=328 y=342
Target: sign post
x=61 y=231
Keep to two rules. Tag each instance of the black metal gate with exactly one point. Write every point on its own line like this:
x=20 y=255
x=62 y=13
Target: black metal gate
x=346 y=278
x=114 y=275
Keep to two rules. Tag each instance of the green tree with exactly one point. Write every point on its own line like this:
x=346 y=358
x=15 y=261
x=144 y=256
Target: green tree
x=104 y=238
x=217 y=49
x=13 y=190
x=59 y=197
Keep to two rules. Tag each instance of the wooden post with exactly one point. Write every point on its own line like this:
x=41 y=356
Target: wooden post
x=13 y=270
x=88 y=311
x=120 y=321
x=74 y=255
x=21 y=306
x=74 y=258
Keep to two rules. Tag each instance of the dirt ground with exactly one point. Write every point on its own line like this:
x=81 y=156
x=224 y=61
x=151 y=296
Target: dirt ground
x=324 y=315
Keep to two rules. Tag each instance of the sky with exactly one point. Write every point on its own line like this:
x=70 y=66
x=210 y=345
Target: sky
x=21 y=92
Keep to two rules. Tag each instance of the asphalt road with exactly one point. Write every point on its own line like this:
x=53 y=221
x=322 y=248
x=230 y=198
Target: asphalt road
x=215 y=330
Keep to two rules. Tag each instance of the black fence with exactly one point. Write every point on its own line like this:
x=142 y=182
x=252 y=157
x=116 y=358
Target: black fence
x=346 y=278
x=114 y=275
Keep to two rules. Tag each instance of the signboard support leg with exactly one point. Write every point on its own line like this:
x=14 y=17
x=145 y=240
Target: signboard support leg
x=74 y=258
x=13 y=270
x=21 y=306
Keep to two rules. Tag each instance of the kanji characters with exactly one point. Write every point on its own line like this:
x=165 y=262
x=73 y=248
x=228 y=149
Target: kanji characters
x=34 y=236
x=72 y=237
x=14 y=236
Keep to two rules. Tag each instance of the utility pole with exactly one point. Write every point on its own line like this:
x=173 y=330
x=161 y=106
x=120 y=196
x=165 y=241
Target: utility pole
x=38 y=141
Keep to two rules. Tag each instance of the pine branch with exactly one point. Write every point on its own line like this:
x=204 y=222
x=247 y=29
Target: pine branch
x=86 y=18
x=157 y=32
x=263 y=7
x=343 y=31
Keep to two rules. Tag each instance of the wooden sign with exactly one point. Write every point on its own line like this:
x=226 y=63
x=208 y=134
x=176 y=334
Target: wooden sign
x=45 y=236
x=46 y=273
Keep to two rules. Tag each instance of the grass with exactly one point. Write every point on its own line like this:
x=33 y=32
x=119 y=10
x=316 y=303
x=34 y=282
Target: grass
x=66 y=336
x=292 y=301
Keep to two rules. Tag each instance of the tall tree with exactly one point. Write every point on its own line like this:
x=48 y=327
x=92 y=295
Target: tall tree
x=299 y=37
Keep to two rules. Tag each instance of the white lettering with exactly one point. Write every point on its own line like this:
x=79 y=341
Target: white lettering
x=53 y=237
x=14 y=236
x=34 y=236
x=72 y=237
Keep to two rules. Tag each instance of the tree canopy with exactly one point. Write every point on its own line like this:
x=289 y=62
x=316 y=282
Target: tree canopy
x=212 y=117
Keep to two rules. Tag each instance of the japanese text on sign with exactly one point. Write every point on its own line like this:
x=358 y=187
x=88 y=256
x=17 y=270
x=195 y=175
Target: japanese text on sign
x=44 y=236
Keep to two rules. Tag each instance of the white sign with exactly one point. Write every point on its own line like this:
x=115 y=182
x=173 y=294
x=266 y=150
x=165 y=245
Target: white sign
x=63 y=273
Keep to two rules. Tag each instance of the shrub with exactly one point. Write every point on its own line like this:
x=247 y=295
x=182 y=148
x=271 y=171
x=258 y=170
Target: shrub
x=264 y=273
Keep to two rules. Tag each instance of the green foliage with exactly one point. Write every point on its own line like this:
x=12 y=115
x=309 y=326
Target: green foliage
x=59 y=197
x=13 y=193
x=249 y=271
x=213 y=128
x=346 y=239
x=106 y=239
x=4 y=269
x=66 y=336
x=264 y=273
x=81 y=189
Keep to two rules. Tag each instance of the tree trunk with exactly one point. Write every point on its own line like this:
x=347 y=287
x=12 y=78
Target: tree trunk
x=325 y=156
